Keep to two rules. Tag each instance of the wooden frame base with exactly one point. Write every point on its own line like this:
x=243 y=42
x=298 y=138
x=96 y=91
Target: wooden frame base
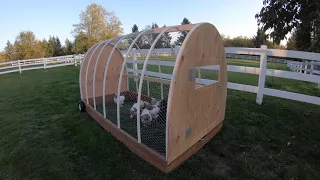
x=145 y=152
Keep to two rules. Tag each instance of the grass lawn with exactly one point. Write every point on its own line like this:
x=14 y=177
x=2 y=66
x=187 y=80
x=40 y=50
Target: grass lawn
x=43 y=136
x=255 y=63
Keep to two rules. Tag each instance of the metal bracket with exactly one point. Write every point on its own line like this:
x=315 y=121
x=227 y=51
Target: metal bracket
x=192 y=74
x=188 y=132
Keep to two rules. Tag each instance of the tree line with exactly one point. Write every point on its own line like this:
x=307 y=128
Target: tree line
x=96 y=24
x=277 y=17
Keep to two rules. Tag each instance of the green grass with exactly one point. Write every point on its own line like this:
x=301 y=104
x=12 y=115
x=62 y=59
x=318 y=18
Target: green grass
x=43 y=136
x=255 y=63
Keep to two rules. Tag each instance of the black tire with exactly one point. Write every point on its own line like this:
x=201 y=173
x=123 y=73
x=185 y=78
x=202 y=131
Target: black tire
x=81 y=106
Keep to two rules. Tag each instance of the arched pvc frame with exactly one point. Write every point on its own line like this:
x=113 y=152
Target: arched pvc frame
x=81 y=68
x=95 y=72
x=137 y=68
x=141 y=79
x=159 y=67
x=175 y=69
x=86 y=84
x=122 y=68
x=105 y=79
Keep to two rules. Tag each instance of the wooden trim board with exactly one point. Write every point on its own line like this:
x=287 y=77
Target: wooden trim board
x=148 y=78
x=145 y=152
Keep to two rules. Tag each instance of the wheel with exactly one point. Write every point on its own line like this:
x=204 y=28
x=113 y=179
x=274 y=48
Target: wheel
x=81 y=106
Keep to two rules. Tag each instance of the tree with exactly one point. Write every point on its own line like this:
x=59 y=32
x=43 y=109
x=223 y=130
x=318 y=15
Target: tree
x=291 y=43
x=10 y=51
x=44 y=46
x=51 y=47
x=166 y=39
x=80 y=43
x=183 y=34
x=138 y=43
x=27 y=46
x=282 y=16
x=58 y=48
x=260 y=38
x=54 y=47
x=2 y=56
x=135 y=28
x=67 y=49
x=97 y=24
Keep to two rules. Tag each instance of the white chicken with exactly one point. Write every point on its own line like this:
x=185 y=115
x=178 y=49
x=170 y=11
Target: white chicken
x=134 y=108
x=121 y=99
x=149 y=113
x=153 y=101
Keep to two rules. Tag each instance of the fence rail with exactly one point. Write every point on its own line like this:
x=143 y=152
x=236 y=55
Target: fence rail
x=39 y=63
x=302 y=71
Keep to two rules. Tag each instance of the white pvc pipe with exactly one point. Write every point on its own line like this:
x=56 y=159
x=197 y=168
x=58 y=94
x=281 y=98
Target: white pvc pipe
x=135 y=66
x=104 y=80
x=141 y=80
x=81 y=69
x=95 y=71
x=86 y=85
x=122 y=69
x=159 y=67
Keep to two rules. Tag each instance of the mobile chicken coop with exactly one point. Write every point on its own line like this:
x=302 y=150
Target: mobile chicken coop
x=150 y=95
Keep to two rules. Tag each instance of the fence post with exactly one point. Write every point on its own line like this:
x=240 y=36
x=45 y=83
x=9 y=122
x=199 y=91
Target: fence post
x=176 y=50
x=305 y=66
x=44 y=63
x=74 y=60
x=19 y=66
x=262 y=78
x=311 y=68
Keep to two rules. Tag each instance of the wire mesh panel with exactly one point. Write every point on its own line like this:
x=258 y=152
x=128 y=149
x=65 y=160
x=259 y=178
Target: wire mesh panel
x=153 y=114
x=144 y=118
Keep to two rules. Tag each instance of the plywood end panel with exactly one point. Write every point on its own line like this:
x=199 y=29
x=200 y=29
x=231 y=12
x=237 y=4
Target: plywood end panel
x=83 y=72
x=113 y=73
x=194 y=112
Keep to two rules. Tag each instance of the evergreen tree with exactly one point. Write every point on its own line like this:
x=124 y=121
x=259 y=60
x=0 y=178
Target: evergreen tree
x=58 y=48
x=166 y=40
x=51 y=46
x=183 y=34
x=67 y=49
x=138 y=43
x=135 y=28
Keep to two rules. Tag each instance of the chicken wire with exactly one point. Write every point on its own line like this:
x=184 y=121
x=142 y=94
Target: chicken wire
x=152 y=130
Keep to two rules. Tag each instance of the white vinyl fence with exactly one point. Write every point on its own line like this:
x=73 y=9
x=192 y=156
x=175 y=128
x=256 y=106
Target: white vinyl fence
x=306 y=67
x=39 y=63
x=260 y=90
x=262 y=71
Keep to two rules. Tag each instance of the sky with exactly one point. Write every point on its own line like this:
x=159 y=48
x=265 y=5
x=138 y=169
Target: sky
x=45 y=18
